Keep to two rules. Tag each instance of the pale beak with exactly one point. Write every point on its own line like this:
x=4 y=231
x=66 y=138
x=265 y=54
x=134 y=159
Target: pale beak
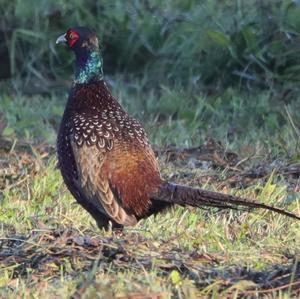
x=61 y=39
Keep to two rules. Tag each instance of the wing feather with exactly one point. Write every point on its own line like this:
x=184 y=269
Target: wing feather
x=93 y=181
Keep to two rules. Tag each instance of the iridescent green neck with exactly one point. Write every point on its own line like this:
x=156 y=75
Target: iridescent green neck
x=89 y=68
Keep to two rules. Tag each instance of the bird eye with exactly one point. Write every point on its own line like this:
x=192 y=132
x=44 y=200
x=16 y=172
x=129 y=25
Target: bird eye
x=72 y=37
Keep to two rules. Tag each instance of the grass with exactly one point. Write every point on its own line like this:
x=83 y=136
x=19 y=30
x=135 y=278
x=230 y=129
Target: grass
x=236 y=117
x=207 y=45
x=51 y=247
x=169 y=253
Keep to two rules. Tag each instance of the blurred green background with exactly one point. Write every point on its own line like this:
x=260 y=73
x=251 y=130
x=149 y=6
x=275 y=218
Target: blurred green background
x=187 y=69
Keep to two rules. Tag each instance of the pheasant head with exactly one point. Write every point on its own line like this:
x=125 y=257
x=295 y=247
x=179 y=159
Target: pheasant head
x=84 y=43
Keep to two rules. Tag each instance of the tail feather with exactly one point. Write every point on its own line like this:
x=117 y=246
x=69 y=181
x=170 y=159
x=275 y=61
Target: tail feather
x=184 y=195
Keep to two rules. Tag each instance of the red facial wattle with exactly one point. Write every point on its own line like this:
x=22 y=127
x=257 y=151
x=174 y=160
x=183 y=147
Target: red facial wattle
x=72 y=37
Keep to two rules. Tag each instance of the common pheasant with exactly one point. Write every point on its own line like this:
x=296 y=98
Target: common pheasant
x=104 y=154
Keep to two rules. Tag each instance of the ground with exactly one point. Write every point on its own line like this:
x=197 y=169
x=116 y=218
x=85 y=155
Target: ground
x=51 y=248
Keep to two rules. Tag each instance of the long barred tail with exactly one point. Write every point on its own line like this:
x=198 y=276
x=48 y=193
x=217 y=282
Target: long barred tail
x=184 y=195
